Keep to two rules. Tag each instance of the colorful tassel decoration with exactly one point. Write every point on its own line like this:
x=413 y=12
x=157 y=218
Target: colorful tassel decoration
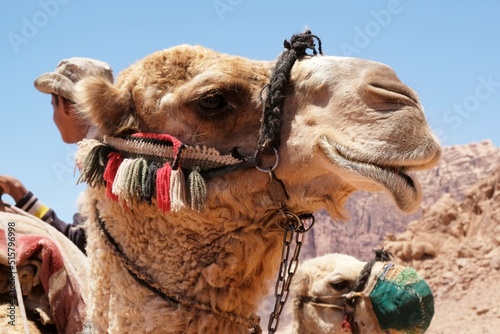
x=123 y=179
x=197 y=190
x=162 y=187
x=114 y=161
x=154 y=167
x=94 y=166
x=177 y=190
x=138 y=174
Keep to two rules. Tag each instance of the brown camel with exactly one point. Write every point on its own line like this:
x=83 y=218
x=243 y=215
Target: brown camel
x=184 y=234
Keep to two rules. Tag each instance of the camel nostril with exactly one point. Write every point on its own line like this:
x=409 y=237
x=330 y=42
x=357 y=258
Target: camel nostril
x=394 y=92
x=382 y=90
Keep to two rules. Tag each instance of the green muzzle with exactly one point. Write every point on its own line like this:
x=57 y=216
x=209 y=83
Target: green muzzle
x=401 y=300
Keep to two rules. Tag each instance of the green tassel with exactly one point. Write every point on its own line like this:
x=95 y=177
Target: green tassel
x=197 y=190
x=94 y=165
x=138 y=173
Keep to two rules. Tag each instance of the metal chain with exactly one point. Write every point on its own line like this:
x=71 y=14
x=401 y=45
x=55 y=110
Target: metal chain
x=293 y=226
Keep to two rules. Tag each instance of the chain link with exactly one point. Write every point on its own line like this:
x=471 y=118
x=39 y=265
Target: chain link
x=293 y=226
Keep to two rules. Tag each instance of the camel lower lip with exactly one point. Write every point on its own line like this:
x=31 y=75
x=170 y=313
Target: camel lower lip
x=402 y=186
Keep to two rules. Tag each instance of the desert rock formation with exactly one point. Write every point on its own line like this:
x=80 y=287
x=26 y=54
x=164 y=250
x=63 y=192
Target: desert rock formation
x=456 y=247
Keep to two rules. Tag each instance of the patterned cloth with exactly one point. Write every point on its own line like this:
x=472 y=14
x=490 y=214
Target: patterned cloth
x=74 y=232
x=50 y=268
x=401 y=300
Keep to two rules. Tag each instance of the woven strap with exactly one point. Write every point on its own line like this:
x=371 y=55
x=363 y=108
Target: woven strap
x=189 y=156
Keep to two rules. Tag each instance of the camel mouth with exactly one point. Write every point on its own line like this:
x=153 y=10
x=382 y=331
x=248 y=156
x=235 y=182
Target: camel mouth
x=335 y=302
x=395 y=178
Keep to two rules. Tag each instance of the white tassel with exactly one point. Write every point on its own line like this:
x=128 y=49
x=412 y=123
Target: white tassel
x=122 y=180
x=177 y=190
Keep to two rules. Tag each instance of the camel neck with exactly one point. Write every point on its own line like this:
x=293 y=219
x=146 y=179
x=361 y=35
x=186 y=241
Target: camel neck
x=148 y=282
x=211 y=265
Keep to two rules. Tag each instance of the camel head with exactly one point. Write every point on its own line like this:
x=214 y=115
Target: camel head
x=200 y=152
x=348 y=124
x=393 y=299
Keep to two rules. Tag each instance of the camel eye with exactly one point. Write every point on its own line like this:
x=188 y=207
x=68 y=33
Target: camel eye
x=339 y=285
x=213 y=103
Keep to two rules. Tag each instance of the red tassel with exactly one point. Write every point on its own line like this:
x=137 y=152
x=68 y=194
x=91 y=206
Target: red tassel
x=346 y=326
x=114 y=161
x=163 y=187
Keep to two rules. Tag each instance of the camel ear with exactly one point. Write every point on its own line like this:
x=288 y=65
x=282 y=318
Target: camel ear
x=103 y=105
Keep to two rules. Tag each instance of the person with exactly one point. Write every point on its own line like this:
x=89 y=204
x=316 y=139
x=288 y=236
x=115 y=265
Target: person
x=60 y=84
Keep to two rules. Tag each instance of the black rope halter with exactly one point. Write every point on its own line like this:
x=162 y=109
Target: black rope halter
x=352 y=298
x=271 y=121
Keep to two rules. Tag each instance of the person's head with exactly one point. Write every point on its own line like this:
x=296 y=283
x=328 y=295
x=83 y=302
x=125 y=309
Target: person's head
x=60 y=84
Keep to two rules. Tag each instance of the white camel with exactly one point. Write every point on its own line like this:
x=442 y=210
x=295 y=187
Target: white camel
x=392 y=298
x=185 y=239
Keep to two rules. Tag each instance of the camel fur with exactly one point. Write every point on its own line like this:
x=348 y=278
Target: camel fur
x=347 y=124
x=326 y=278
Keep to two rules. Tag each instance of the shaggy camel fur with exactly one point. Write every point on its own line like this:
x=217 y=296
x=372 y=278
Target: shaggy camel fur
x=346 y=124
x=319 y=306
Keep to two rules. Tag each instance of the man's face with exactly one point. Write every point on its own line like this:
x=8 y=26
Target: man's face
x=71 y=128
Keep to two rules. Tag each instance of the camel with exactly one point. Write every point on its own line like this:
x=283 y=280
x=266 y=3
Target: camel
x=322 y=287
x=209 y=163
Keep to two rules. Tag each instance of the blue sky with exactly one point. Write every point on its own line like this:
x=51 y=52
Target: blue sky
x=448 y=51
